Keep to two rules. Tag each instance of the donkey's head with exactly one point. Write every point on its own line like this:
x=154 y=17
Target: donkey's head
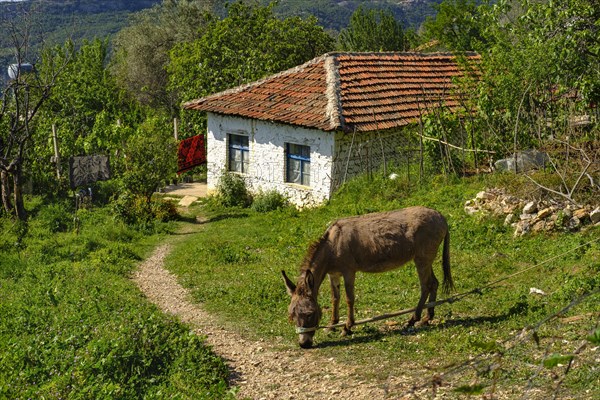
x=304 y=310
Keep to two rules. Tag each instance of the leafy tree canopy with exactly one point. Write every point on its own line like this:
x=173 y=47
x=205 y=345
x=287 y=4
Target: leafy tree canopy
x=372 y=30
x=456 y=26
x=142 y=49
x=250 y=43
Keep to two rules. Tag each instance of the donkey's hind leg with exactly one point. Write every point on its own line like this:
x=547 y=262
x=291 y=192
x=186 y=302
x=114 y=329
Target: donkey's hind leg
x=429 y=285
x=433 y=287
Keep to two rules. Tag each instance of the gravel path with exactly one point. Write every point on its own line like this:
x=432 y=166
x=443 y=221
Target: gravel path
x=259 y=369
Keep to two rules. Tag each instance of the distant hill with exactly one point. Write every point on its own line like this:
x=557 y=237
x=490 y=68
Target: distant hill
x=335 y=14
x=58 y=20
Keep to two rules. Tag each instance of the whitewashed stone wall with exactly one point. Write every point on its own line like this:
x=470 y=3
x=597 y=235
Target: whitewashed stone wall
x=267 y=156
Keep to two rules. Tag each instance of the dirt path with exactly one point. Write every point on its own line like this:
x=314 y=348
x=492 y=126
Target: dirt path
x=258 y=368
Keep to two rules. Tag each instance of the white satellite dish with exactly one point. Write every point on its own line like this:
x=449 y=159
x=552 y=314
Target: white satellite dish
x=15 y=69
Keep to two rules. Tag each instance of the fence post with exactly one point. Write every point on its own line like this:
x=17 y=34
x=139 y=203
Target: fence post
x=56 y=153
x=175 y=129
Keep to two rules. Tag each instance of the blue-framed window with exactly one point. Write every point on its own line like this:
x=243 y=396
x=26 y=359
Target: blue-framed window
x=297 y=167
x=239 y=153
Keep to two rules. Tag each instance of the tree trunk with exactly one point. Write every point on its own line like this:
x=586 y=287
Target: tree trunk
x=5 y=189
x=18 y=196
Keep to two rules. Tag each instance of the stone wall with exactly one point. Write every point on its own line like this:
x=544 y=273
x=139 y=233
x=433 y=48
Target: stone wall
x=533 y=216
x=267 y=156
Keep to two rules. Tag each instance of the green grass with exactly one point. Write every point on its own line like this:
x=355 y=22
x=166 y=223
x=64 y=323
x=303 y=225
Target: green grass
x=74 y=326
x=233 y=268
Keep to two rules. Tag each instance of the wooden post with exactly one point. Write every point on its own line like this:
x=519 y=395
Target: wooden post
x=56 y=153
x=175 y=129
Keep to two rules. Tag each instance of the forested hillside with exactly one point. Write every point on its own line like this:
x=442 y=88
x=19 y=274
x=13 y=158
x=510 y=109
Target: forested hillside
x=57 y=20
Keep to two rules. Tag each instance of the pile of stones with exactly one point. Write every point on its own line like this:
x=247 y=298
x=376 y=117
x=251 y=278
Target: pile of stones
x=533 y=216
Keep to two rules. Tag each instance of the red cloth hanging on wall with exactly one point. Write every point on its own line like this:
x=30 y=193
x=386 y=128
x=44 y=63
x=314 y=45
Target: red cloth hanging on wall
x=191 y=153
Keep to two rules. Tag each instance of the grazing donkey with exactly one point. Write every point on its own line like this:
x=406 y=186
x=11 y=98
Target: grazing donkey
x=375 y=242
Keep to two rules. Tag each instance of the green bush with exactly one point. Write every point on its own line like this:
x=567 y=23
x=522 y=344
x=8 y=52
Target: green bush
x=134 y=209
x=269 y=201
x=232 y=191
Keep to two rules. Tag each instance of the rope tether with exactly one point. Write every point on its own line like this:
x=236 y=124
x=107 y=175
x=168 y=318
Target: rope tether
x=454 y=298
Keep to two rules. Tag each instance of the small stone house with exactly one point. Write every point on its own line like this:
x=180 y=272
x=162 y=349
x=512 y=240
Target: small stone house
x=306 y=130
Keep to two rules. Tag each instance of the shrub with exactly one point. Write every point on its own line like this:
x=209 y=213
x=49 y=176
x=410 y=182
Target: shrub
x=269 y=201
x=134 y=209
x=232 y=191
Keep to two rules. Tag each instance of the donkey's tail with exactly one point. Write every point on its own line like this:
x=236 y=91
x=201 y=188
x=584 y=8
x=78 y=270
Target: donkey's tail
x=448 y=284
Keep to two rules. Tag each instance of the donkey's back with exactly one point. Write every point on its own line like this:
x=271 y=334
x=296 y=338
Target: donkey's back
x=383 y=241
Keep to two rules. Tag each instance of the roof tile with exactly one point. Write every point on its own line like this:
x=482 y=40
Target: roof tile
x=347 y=91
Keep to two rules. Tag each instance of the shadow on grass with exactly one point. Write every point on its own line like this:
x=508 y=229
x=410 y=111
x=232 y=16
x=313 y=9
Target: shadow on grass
x=371 y=333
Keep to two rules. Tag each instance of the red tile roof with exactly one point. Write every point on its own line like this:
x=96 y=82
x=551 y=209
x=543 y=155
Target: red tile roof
x=346 y=91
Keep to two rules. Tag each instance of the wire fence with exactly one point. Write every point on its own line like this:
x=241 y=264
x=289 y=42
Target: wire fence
x=491 y=363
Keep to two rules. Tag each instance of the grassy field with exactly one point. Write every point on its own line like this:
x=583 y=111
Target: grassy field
x=74 y=326
x=233 y=268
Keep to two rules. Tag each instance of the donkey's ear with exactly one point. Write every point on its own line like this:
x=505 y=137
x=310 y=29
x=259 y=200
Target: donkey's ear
x=309 y=282
x=291 y=288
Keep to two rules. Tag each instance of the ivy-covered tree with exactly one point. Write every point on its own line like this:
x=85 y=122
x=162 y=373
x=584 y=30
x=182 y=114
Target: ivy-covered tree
x=373 y=30
x=142 y=49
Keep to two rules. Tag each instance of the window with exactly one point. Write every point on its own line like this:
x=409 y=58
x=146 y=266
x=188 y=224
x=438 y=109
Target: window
x=297 y=164
x=239 y=153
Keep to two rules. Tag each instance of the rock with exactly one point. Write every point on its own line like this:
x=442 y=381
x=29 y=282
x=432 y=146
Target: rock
x=530 y=208
x=539 y=226
x=573 y=224
x=526 y=217
x=537 y=291
x=187 y=201
x=483 y=195
x=581 y=214
x=509 y=219
x=544 y=213
x=525 y=161
x=595 y=215
x=522 y=228
x=471 y=210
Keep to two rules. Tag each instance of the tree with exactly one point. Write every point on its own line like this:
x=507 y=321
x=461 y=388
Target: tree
x=247 y=45
x=91 y=114
x=371 y=30
x=539 y=77
x=22 y=100
x=571 y=31
x=456 y=26
x=142 y=49
x=151 y=157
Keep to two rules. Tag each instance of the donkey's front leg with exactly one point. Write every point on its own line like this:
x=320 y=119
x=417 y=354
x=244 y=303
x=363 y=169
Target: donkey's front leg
x=349 y=288
x=334 y=282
